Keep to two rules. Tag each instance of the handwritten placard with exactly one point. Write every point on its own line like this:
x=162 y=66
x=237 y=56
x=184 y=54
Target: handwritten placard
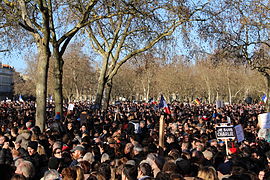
x=219 y=104
x=239 y=133
x=70 y=107
x=264 y=120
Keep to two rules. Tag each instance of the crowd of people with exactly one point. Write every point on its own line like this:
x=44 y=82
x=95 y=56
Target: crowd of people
x=123 y=143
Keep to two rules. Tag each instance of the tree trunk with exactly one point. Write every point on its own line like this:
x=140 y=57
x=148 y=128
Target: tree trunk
x=77 y=91
x=108 y=91
x=230 y=95
x=100 y=91
x=101 y=83
x=209 y=96
x=268 y=93
x=41 y=85
x=148 y=89
x=58 y=84
x=229 y=87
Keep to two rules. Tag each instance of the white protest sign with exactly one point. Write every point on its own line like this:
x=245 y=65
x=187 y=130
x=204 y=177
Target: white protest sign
x=219 y=104
x=239 y=133
x=70 y=107
x=265 y=134
x=225 y=132
x=264 y=120
x=229 y=120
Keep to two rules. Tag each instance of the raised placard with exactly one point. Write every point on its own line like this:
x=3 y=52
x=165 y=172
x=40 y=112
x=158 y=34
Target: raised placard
x=70 y=107
x=264 y=120
x=239 y=133
x=225 y=132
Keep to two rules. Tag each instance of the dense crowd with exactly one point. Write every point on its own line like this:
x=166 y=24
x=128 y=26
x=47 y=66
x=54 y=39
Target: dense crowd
x=122 y=143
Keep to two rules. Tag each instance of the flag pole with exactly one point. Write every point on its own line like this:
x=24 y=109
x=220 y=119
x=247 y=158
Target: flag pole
x=227 y=149
x=161 y=131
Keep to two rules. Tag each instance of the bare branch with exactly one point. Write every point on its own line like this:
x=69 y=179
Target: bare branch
x=168 y=32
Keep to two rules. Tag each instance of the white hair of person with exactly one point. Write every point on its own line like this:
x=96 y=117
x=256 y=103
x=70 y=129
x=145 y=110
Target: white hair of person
x=105 y=157
x=138 y=148
x=28 y=124
x=89 y=157
x=18 y=161
x=51 y=174
x=26 y=168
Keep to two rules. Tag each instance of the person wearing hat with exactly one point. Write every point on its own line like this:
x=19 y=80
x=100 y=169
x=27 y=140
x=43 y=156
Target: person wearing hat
x=77 y=155
x=34 y=157
x=56 y=125
x=23 y=138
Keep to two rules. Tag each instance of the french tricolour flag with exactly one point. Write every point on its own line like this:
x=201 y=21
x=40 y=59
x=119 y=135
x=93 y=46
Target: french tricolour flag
x=264 y=98
x=20 y=98
x=163 y=105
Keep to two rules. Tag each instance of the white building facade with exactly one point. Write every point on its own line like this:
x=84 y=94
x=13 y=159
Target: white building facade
x=6 y=81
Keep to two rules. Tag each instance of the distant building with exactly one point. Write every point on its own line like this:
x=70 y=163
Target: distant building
x=6 y=81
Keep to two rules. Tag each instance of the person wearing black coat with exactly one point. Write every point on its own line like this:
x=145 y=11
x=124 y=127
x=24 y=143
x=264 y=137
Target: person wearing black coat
x=5 y=154
x=35 y=158
x=171 y=144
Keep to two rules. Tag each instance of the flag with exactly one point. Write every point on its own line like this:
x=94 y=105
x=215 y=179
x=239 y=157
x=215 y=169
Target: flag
x=197 y=101
x=20 y=98
x=163 y=105
x=264 y=98
x=51 y=98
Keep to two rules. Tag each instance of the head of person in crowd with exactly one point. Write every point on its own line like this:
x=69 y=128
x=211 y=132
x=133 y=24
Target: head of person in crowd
x=57 y=144
x=89 y=157
x=57 y=152
x=69 y=173
x=137 y=149
x=52 y=174
x=18 y=177
x=79 y=172
x=129 y=172
x=144 y=171
x=32 y=148
x=51 y=140
x=208 y=173
x=105 y=170
x=26 y=168
x=54 y=163
x=128 y=148
x=28 y=125
x=78 y=152
x=95 y=175
x=86 y=166
x=3 y=139
x=264 y=174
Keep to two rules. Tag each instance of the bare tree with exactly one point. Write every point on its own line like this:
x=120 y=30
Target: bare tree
x=41 y=33
x=60 y=44
x=240 y=29
x=140 y=26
